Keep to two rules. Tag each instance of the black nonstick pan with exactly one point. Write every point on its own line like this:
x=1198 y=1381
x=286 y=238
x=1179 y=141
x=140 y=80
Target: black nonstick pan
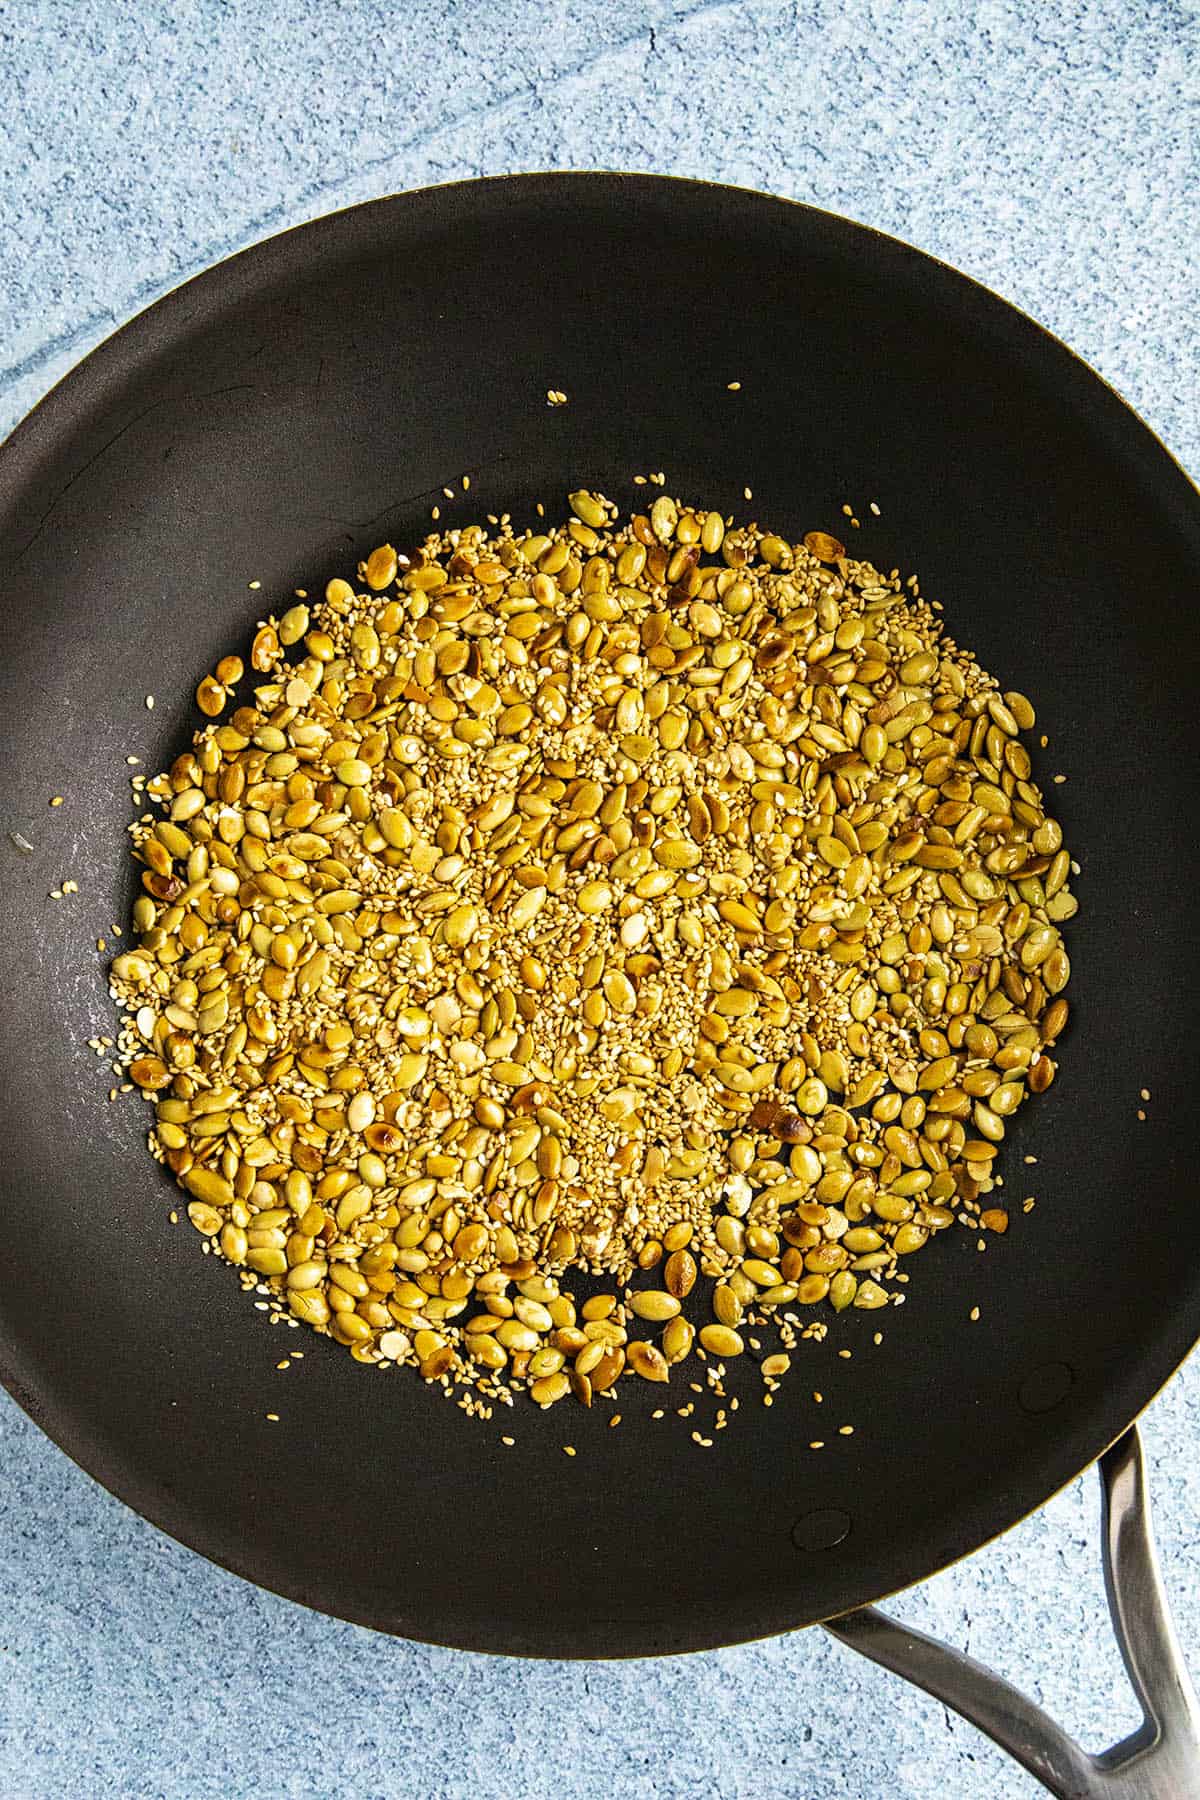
x=270 y=422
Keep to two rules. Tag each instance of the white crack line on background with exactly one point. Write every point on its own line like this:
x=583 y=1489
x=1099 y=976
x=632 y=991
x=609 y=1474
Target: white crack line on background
x=284 y=213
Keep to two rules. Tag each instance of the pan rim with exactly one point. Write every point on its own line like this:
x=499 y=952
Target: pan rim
x=57 y=416
x=112 y=344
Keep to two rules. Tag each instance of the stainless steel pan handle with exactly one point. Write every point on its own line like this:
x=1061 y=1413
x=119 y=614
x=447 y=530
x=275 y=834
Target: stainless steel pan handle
x=1161 y=1759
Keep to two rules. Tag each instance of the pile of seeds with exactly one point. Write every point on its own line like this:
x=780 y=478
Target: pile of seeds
x=594 y=947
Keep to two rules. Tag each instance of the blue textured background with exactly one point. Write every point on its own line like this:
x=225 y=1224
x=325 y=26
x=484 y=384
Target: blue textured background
x=1051 y=151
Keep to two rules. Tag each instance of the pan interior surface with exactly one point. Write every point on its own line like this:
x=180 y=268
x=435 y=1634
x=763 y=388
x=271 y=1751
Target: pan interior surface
x=271 y=422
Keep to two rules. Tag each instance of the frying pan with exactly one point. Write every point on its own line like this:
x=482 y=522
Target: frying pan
x=272 y=420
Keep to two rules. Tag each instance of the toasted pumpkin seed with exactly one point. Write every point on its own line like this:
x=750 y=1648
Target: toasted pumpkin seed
x=535 y=910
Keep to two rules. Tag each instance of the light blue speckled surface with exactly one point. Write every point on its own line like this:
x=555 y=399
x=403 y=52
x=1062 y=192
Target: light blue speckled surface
x=1051 y=151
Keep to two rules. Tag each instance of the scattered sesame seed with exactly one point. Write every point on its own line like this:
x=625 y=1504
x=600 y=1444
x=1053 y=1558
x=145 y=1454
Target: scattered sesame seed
x=56 y=800
x=149 y=702
x=817 y=1444
x=509 y=1441
x=568 y=1449
x=274 y=1418
x=747 y=494
x=1145 y=1093
x=734 y=386
x=875 y=509
x=465 y=482
x=254 y=586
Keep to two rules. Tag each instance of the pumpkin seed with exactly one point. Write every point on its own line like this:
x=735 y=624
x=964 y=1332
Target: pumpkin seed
x=651 y=896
